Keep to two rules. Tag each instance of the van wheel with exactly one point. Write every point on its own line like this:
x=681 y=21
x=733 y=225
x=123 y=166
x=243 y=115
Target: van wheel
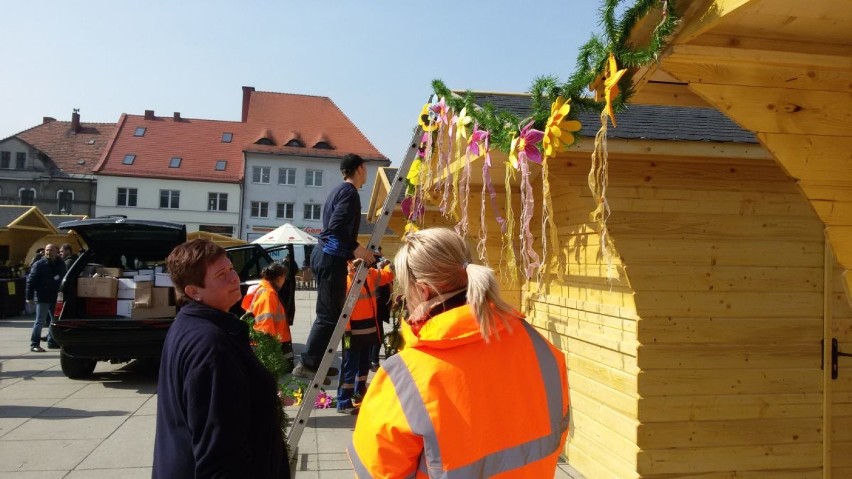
x=76 y=368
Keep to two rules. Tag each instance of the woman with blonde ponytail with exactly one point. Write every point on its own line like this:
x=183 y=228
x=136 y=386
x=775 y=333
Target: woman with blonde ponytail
x=477 y=392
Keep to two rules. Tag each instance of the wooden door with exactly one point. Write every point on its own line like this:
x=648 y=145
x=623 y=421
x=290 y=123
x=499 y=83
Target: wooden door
x=837 y=430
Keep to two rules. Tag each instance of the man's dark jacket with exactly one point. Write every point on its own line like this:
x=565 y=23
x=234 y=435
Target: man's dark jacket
x=44 y=280
x=217 y=406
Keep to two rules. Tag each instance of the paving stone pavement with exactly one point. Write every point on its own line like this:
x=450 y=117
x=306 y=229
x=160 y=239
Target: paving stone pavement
x=52 y=427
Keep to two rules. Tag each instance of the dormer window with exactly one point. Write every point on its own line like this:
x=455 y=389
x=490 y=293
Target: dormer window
x=140 y=131
x=295 y=143
x=323 y=145
x=227 y=137
x=265 y=141
x=221 y=165
x=128 y=159
x=175 y=162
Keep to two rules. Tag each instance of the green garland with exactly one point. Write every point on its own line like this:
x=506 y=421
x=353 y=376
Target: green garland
x=591 y=63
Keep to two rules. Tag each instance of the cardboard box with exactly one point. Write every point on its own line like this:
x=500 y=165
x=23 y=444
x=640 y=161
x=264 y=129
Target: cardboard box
x=128 y=309
x=163 y=280
x=162 y=297
x=141 y=278
x=114 y=272
x=101 y=306
x=160 y=268
x=129 y=273
x=100 y=287
x=139 y=292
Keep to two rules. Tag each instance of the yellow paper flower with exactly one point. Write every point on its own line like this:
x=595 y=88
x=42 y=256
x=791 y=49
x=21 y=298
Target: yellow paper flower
x=513 y=152
x=559 y=129
x=425 y=121
x=297 y=396
x=410 y=228
x=414 y=172
x=462 y=120
x=613 y=75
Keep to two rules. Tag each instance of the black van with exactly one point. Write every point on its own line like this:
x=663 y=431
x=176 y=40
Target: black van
x=85 y=335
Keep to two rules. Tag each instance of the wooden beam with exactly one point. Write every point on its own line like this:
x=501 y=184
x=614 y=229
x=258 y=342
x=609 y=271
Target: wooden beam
x=841 y=243
x=811 y=157
x=779 y=110
x=710 y=18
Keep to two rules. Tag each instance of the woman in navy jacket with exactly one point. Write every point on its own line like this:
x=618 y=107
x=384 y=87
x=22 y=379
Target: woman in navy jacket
x=217 y=406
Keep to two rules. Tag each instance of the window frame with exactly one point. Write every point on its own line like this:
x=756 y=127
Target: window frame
x=227 y=137
x=285 y=204
x=6 y=157
x=21 y=160
x=59 y=201
x=262 y=207
x=259 y=180
x=289 y=170
x=224 y=164
x=175 y=164
x=172 y=198
x=312 y=173
x=128 y=194
x=316 y=208
x=219 y=199
x=21 y=197
x=140 y=131
x=129 y=159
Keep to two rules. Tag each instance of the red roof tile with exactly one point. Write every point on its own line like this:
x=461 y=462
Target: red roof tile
x=71 y=153
x=197 y=142
x=310 y=118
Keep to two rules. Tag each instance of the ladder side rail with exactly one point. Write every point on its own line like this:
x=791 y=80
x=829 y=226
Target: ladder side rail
x=302 y=416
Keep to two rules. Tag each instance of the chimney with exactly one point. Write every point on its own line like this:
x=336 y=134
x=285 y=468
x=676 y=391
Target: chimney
x=75 y=121
x=177 y=116
x=47 y=119
x=246 y=97
x=149 y=114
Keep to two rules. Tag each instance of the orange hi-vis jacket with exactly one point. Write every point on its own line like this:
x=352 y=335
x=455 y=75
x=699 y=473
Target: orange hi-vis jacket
x=269 y=314
x=450 y=405
x=363 y=319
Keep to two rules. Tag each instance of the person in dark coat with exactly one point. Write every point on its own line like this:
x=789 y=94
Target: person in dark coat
x=338 y=243
x=42 y=288
x=217 y=406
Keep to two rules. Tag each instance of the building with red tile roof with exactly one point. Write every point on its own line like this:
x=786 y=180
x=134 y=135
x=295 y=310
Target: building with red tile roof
x=51 y=165
x=202 y=172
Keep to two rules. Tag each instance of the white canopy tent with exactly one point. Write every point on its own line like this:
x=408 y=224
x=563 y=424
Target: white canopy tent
x=285 y=234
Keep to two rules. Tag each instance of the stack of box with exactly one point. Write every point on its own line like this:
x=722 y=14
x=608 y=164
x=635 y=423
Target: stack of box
x=130 y=294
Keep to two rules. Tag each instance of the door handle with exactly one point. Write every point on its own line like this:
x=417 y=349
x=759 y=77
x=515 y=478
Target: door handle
x=835 y=353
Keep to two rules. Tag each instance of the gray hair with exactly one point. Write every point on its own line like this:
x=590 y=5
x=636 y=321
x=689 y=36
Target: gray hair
x=440 y=259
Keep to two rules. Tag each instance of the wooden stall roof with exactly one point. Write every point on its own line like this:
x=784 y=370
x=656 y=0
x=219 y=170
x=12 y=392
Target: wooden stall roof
x=24 y=218
x=781 y=69
x=221 y=240
x=56 y=220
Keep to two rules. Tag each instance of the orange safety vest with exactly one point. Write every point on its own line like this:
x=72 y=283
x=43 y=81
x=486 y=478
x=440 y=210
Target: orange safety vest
x=364 y=313
x=450 y=405
x=269 y=314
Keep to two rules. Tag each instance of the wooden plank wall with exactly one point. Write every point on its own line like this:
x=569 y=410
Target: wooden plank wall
x=841 y=388
x=725 y=258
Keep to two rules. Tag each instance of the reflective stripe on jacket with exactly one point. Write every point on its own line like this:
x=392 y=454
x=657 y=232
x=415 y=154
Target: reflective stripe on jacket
x=269 y=314
x=451 y=405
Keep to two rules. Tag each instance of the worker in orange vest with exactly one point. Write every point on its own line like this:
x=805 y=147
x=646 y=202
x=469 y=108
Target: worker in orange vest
x=476 y=393
x=269 y=314
x=362 y=333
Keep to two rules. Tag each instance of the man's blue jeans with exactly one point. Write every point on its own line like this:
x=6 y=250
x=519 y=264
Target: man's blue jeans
x=43 y=317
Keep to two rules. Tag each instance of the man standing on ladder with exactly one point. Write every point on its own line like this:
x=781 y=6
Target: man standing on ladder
x=338 y=243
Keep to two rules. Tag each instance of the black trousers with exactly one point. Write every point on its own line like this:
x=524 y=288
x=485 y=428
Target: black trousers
x=330 y=273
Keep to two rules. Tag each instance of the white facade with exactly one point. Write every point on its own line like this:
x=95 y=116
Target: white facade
x=297 y=191
x=200 y=205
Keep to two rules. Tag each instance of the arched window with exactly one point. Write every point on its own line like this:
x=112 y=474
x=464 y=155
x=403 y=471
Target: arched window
x=65 y=201
x=296 y=143
x=26 y=196
x=323 y=145
x=265 y=141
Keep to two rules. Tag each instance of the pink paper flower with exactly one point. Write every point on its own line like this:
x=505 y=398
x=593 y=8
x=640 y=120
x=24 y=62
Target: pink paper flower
x=412 y=208
x=525 y=144
x=323 y=400
x=441 y=111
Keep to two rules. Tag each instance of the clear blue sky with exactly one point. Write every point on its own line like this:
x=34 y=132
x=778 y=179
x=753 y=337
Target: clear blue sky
x=374 y=58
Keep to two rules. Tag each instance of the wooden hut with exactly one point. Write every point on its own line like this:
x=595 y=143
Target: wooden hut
x=694 y=339
x=20 y=227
